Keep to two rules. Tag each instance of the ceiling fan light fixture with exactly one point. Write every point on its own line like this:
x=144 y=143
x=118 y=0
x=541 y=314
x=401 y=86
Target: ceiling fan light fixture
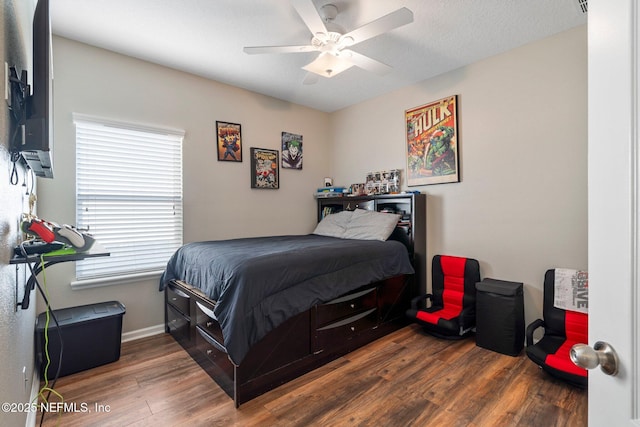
x=346 y=41
x=327 y=65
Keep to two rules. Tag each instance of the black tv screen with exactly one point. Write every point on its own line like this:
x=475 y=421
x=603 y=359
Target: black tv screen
x=37 y=144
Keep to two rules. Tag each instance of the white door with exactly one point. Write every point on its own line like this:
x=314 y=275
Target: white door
x=614 y=194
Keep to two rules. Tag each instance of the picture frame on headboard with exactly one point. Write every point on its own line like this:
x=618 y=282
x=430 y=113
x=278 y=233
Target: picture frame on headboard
x=432 y=143
x=229 y=141
x=264 y=168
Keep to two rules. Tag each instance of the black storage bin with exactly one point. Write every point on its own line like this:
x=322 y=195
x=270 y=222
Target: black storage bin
x=91 y=336
x=500 y=316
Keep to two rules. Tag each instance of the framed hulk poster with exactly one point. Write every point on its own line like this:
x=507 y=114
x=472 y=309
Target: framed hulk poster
x=432 y=143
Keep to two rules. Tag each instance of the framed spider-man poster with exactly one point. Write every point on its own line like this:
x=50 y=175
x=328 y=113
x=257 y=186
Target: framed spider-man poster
x=264 y=168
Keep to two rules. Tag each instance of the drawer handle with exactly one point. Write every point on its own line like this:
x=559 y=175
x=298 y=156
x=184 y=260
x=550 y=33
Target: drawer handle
x=209 y=352
x=206 y=310
x=209 y=323
x=351 y=297
x=174 y=299
x=348 y=321
x=353 y=306
x=353 y=329
x=178 y=292
x=210 y=340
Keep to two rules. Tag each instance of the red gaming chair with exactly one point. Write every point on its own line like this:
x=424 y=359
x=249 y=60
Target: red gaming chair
x=562 y=329
x=452 y=312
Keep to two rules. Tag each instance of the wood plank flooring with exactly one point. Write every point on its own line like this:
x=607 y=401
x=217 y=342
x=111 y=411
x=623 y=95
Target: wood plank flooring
x=407 y=378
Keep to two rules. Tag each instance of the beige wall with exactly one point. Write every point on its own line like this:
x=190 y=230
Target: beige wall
x=218 y=200
x=520 y=207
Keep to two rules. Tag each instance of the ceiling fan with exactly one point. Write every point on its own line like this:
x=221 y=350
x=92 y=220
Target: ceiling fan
x=333 y=42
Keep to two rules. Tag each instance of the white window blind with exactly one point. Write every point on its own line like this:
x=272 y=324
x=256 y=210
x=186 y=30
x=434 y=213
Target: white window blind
x=128 y=195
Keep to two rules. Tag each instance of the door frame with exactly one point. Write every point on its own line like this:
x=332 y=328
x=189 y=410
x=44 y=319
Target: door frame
x=613 y=186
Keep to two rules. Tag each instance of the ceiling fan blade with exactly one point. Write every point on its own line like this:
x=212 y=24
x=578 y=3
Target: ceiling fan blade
x=328 y=65
x=309 y=15
x=364 y=62
x=252 y=50
x=381 y=25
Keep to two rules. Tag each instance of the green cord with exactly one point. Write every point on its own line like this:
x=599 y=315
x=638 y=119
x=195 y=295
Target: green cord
x=46 y=387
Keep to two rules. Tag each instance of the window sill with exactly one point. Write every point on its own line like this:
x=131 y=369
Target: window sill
x=115 y=280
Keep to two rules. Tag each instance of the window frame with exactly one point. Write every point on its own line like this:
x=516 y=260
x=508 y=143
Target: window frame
x=142 y=198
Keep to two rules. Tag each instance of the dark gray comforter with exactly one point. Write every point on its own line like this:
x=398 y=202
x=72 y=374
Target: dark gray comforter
x=259 y=283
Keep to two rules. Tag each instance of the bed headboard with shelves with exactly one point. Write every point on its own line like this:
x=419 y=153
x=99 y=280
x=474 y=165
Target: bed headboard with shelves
x=412 y=226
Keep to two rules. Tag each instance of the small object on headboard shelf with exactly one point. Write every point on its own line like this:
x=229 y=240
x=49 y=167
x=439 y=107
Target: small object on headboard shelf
x=357 y=190
x=383 y=182
x=330 y=192
x=389 y=210
x=327 y=210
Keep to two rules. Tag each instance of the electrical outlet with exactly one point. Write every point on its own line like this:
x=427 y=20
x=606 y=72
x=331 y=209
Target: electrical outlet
x=24 y=376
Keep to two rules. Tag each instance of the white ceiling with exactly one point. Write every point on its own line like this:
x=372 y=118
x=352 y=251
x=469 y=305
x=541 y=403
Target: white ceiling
x=206 y=37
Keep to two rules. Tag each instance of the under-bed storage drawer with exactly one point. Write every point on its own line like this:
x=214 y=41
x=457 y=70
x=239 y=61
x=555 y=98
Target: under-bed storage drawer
x=209 y=345
x=206 y=320
x=178 y=325
x=345 y=306
x=178 y=299
x=220 y=368
x=344 y=330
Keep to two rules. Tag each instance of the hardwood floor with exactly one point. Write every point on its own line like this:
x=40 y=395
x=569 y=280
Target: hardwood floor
x=407 y=378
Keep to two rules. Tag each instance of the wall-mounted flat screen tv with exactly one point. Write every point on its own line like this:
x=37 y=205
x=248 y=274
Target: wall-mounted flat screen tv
x=36 y=146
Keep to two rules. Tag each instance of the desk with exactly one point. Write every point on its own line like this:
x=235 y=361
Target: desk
x=43 y=261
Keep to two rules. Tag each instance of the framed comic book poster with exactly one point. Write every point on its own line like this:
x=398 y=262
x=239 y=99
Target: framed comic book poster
x=291 y=151
x=264 y=168
x=432 y=143
x=229 y=142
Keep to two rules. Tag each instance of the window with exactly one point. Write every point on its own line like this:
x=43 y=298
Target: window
x=128 y=197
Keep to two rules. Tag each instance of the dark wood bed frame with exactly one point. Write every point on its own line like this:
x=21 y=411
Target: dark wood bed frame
x=312 y=338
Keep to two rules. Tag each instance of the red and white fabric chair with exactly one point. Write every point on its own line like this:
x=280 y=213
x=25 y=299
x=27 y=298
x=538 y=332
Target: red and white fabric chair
x=450 y=310
x=562 y=330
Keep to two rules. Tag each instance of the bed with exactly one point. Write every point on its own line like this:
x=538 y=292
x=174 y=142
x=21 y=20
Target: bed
x=258 y=312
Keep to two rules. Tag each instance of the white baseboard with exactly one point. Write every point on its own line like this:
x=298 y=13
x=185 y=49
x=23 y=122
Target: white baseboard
x=32 y=416
x=143 y=333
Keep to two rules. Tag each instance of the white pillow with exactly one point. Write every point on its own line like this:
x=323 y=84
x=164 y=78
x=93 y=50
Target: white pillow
x=359 y=224
x=371 y=225
x=334 y=225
